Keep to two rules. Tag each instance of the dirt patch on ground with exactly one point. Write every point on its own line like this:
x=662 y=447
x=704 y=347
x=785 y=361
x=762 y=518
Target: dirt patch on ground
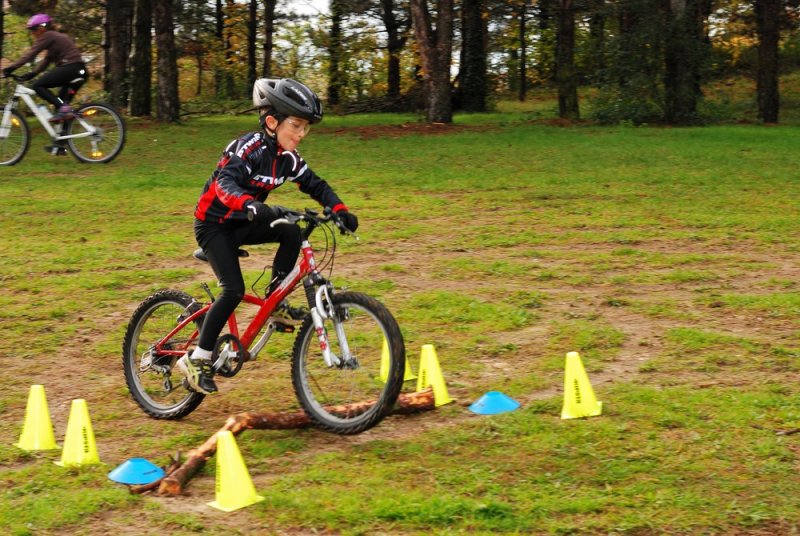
x=72 y=370
x=407 y=129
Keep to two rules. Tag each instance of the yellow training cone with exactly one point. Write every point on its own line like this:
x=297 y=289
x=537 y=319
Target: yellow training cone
x=37 y=430
x=430 y=373
x=408 y=374
x=579 y=399
x=234 y=486
x=79 y=445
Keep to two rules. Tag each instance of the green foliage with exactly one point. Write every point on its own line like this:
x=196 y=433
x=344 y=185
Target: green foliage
x=632 y=104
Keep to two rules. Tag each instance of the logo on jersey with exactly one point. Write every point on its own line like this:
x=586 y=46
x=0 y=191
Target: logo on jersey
x=269 y=183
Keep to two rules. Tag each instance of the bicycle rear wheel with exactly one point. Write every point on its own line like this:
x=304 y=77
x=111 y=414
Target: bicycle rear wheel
x=148 y=372
x=14 y=145
x=107 y=136
x=356 y=394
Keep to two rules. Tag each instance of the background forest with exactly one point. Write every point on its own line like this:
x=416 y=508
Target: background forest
x=638 y=61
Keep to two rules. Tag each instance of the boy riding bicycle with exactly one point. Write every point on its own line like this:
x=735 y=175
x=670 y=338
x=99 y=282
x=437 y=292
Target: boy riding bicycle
x=231 y=210
x=69 y=72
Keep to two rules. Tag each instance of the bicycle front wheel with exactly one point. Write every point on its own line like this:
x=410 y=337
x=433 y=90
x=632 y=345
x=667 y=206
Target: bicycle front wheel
x=356 y=393
x=15 y=138
x=148 y=370
x=102 y=133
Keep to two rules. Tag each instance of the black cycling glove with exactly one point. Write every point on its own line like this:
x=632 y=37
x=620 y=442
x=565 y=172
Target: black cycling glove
x=7 y=72
x=348 y=219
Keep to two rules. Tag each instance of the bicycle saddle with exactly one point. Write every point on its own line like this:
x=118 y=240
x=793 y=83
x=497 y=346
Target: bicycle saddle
x=200 y=255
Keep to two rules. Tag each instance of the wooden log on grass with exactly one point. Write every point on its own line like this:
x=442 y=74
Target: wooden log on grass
x=174 y=482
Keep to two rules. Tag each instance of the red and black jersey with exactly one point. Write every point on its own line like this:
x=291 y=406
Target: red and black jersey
x=250 y=167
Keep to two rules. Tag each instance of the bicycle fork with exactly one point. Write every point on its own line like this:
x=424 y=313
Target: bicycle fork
x=5 y=123
x=322 y=308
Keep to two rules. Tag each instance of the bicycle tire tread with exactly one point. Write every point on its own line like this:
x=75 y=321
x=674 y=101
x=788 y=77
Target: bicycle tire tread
x=394 y=382
x=129 y=361
x=27 y=132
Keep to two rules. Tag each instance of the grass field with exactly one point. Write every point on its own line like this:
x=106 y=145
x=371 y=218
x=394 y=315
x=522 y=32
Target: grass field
x=669 y=258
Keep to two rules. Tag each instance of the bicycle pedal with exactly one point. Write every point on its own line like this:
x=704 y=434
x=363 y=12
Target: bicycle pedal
x=185 y=385
x=283 y=327
x=56 y=150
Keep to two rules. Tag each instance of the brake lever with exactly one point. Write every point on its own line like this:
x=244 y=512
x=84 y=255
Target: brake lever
x=339 y=225
x=344 y=230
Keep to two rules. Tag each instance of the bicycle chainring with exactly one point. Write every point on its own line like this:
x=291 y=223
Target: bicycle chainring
x=233 y=355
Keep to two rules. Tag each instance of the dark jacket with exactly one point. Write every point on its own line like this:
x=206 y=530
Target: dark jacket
x=60 y=51
x=250 y=167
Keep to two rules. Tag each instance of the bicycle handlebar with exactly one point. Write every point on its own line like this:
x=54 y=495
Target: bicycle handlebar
x=293 y=216
x=311 y=216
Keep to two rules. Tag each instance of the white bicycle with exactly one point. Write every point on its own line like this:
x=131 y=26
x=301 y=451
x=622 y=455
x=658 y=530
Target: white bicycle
x=94 y=135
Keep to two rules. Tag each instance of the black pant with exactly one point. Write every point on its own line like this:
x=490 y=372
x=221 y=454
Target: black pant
x=221 y=242
x=69 y=78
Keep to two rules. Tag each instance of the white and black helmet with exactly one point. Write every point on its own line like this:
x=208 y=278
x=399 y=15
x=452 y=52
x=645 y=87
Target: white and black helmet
x=287 y=97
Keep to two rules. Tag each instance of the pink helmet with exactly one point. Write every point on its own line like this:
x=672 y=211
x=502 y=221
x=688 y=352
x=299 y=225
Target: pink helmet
x=39 y=19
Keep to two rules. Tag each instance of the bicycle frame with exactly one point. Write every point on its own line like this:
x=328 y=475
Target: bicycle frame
x=26 y=95
x=305 y=268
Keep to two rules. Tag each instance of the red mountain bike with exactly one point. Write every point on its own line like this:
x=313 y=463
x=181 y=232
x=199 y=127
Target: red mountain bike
x=348 y=357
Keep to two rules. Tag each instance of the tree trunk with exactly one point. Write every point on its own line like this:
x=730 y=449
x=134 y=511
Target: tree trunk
x=682 y=59
x=435 y=50
x=252 y=17
x=597 y=42
x=394 y=45
x=119 y=18
x=219 y=34
x=566 y=77
x=218 y=30
x=167 y=103
x=228 y=43
x=768 y=96
x=523 y=57
x=473 y=89
x=269 y=30
x=199 y=58
x=335 y=52
x=627 y=21
x=2 y=26
x=142 y=63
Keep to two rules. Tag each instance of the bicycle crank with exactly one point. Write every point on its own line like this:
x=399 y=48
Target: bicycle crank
x=229 y=356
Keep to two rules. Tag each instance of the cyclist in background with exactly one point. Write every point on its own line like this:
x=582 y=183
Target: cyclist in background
x=249 y=169
x=69 y=72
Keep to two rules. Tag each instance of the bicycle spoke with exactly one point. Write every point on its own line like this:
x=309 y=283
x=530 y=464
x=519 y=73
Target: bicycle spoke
x=149 y=369
x=353 y=395
x=101 y=131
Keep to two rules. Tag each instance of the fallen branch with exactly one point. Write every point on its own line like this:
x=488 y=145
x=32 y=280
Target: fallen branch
x=144 y=488
x=179 y=474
